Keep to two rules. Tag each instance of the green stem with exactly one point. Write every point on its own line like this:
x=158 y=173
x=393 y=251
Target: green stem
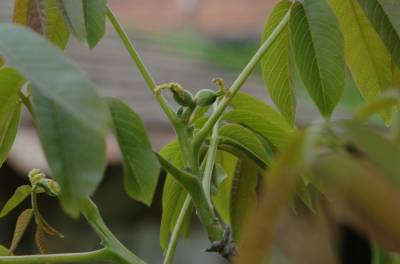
x=119 y=253
x=237 y=84
x=28 y=104
x=175 y=233
x=92 y=256
x=141 y=67
x=210 y=161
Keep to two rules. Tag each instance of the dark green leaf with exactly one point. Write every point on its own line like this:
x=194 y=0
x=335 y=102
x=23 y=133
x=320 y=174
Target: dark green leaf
x=20 y=194
x=86 y=19
x=384 y=15
x=70 y=116
x=366 y=55
x=10 y=109
x=243 y=194
x=140 y=163
x=318 y=48
x=276 y=65
x=173 y=197
x=20 y=228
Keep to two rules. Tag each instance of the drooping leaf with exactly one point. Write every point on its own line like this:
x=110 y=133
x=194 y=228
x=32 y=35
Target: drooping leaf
x=70 y=116
x=86 y=19
x=56 y=29
x=20 y=194
x=173 y=197
x=141 y=167
x=260 y=123
x=318 y=48
x=30 y=13
x=276 y=64
x=39 y=240
x=384 y=15
x=243 y=194
x=382 y=103
x=221 y=200
x=20 y=228
x=367 y=57
x=246 y=139
x=46 y=227
x=10 y=109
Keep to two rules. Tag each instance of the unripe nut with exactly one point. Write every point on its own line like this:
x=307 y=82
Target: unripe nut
x=205 y=97
x=183 y=97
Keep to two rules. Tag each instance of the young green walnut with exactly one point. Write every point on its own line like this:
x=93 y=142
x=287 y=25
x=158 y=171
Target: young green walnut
x=205 y=97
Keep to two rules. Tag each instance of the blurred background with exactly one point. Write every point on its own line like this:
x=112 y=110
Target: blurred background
x=186 y=41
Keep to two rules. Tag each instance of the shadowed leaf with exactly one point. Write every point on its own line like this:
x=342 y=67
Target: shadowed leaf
x=20 y=228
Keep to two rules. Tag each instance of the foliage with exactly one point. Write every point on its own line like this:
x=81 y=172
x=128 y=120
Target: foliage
x=238 y=162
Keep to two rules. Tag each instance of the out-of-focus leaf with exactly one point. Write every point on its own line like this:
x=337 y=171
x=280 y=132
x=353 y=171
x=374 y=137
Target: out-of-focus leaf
x=222 y=198
x=20 y=228
x=385 y=102
x=30 y=13
x=374 y=147
x=219 y=175
x=243 y=194
x=384 y=15
x=3 y=251
x=2 y=62
x=39 y=240
x=276 y=65
x=10 y=109
x=173 y=197
x=86 y=19
x=318 y=48
x=141 y=167
x=47 y=228
x=367 y=57
x=369 y=200
x=245 y=138
x=71 y=117
x=20 y=194
x=259 y=228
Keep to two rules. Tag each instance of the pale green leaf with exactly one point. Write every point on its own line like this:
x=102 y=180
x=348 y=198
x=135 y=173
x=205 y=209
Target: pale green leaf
x=366 y=55
x=384 y=15
x=219 y=175
x=56 y=29
x=141 y=167
x=173 y=197
x=20 y=227
x=10 y=109
x=20 y=194
x=71 y=117
x=318 y=48
x=277 y=70
x=86 y=19
x=243 y=194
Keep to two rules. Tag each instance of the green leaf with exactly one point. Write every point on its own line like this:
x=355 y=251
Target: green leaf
x=243 y=138
x=86 y=19
x=219 y=175
x=384 y=15
x=173 y=197
x=141 y=167
x=276 y=64
x=384 y=102
x=20 y=194
x=56 y=29
x=71 y=117
x=3 y=251
x=243 y=194
x=20 y=227
x=366 y=55
x=10 y=109
x=318 y=49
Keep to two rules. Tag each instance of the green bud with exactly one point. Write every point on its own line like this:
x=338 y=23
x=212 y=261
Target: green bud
x=51 y=187
x=205 y=97
x=183 y=97
x=36 y=176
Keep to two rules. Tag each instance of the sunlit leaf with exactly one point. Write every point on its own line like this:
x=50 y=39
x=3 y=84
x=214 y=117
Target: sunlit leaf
x=367 y=57
x=20 y=194
x=318 y=47
x=384 y=15
x=10 y=109
x=56 y=29
x=20 y=228
x=141 y=167
x=276 y=65
x=382 y=103
x=70 y=116
x=86 y=19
